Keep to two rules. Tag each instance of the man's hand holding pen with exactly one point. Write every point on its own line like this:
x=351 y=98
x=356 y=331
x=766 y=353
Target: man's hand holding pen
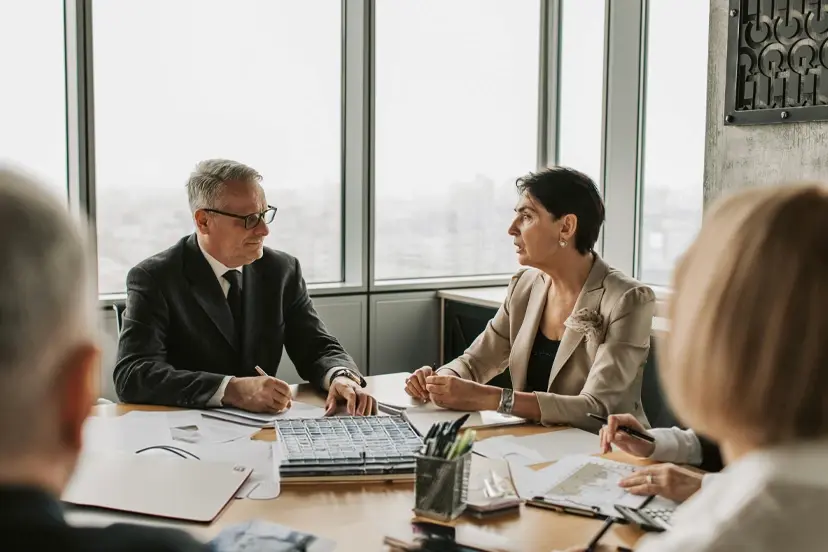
x=261 y=393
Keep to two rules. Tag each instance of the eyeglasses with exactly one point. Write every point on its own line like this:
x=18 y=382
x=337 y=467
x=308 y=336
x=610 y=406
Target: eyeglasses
x=252 y=220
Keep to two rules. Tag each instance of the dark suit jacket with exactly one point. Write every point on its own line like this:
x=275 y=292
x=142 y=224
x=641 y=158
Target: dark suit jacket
x=177 y=340
x=711 y=456
x=33 y=520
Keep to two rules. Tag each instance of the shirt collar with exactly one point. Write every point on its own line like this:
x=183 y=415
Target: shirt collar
x=218 y=268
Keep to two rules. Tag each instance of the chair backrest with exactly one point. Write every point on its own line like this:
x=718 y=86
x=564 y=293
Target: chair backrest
x=653 y=400
x=119 y=316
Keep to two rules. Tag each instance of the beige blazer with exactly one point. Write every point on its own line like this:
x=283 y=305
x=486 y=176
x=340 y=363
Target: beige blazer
x=599 y=373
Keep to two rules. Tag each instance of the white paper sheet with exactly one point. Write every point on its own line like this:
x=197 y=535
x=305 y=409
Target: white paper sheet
x=235 y=415
x=128 y=433
x=259 y=455
x=138 y=430
x=202 y=429
x=536 y=449
x=579 y=481
x=507 y=449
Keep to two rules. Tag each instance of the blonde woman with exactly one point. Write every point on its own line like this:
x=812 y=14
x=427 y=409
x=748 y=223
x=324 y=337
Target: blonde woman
x=746 y=362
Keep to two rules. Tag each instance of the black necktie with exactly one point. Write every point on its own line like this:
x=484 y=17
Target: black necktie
x=234 y=299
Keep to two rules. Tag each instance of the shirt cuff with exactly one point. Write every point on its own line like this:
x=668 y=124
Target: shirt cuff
x=218 y=396
x=326 y=380
x=680 y=446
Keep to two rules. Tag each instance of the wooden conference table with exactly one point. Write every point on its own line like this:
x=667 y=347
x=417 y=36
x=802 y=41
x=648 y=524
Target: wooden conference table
x=358 y=515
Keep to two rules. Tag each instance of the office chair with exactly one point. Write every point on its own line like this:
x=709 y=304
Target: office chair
x=119 y=316
x=653 y=400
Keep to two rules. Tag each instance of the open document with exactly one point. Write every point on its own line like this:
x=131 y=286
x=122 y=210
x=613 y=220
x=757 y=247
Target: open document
x=580 y=481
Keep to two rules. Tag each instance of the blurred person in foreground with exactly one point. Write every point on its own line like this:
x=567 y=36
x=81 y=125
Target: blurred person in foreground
x=49 y=360
x=746 y=362
x=573 y=331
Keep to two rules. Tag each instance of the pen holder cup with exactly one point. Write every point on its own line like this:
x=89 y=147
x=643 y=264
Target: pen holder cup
x=441 y=487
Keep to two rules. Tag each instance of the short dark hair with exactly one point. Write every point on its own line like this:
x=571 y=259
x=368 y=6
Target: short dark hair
x=564 y=191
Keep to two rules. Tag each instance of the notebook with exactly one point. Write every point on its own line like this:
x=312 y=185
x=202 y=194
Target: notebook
x=424 y=416
x=162 y=486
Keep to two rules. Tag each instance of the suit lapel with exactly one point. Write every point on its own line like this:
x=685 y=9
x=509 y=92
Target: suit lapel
x=589 y=298
x=519 y=360
x=253 y=317
x=207 y=291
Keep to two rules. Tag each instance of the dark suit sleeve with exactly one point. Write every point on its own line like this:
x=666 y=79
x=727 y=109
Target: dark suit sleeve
x=142 y=373
x=312 y=349
x=711 y=455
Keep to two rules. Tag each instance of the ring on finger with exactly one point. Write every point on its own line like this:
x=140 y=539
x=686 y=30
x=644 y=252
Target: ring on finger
x=649 y=479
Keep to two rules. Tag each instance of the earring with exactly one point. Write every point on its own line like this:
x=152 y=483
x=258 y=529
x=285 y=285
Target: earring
x=562 y=243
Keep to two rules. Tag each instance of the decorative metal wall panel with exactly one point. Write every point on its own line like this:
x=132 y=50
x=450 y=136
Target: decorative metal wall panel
x=777 y=61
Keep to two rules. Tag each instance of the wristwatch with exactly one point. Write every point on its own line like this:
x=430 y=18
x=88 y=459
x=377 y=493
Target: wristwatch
x=351 y=375
x=507 y=401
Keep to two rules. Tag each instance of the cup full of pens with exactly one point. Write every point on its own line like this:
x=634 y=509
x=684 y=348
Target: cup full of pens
x=443 y=466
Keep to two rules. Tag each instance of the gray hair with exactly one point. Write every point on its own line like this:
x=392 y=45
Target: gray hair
x=208 y=178
x=46 y=299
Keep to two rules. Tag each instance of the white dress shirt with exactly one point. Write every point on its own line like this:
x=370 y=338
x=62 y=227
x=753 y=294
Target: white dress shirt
x=769 y=500
x=679 y=446
x=219 y=269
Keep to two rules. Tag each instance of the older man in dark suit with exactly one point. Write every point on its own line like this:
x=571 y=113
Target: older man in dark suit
x=49 y=361
x=206 y=320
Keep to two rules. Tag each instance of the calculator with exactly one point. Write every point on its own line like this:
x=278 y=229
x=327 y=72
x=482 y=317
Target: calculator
x=650 y=519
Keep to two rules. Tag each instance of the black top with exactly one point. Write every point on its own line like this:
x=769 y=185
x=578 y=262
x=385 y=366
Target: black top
x=33 y=520
x=178 y=340
x=540 y=363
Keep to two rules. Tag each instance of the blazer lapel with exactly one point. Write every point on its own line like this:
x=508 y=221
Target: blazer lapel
x=207 y=291
x=589 y=298
x=253 y=317
x=522 y=347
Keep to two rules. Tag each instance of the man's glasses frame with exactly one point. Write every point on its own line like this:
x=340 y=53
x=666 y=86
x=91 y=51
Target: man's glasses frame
x=253 y=219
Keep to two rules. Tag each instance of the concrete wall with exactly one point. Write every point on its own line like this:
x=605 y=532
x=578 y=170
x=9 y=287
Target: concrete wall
x=742 y=156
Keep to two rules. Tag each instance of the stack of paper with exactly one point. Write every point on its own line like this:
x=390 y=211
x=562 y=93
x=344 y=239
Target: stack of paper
x=543 y=447
x=208 y=439
x=237 y=416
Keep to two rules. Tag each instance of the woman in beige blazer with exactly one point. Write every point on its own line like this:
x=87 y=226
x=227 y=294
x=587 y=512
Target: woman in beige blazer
x=574 y=332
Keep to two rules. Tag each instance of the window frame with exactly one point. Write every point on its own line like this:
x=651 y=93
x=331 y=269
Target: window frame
x=625 y=34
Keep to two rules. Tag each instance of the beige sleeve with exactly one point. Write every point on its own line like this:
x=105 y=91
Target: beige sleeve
x=488 y=355
x=617 y=362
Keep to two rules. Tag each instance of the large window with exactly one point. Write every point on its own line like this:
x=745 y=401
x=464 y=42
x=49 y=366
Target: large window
x=456 y=114
x=178 y=81
x=33 y=89
x=581 y=86
x=676 y=102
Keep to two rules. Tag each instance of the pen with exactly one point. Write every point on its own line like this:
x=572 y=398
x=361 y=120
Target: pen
x=260 y=371
x=625 y=429
x=607 y=524
x=541 y=502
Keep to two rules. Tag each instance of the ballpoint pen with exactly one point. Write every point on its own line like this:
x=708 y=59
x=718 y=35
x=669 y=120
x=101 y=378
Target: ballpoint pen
x=594 y=542
x=625 y=429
